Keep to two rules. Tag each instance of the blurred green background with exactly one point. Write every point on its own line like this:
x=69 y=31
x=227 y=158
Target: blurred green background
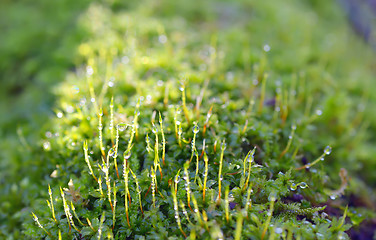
x=331 y=43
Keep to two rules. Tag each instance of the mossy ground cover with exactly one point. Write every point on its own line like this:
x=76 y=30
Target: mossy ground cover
x=239 y=120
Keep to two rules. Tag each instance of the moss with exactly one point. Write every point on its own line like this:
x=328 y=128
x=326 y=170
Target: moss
x=191 y=120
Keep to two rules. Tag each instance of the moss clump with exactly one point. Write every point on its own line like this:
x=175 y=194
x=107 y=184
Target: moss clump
x=174 y=128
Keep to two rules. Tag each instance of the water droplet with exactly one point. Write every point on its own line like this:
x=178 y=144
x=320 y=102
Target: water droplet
x=293 y=127
x=318 y=112
x=159 y=83
x=290 y=137
x=127 y=154
x=223 y=145
x=69 y=109
x=177 y=179
x=333 y=197
x=278 y=230
x=59 y=114
x=82 y=101
x=319 y=235
x=327 y=150
x=121 y=126
x=322 y=159
x=195 y=129
x=154 y=129
x=266 y=48
x=341 y=236
x=181 y=88
x=303 y=185
x=178 y=123
x=92 y=100
x=48 y=134
x=47 y=146
x=125 y=60
x=89 y=71
x=111 y=84
x=272 y=197
x=111 y=152
x=293 y=186
x=75 y=89
x=162 y=39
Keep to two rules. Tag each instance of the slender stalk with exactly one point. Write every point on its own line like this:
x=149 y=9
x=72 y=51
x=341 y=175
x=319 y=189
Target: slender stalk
x=163 y=139
x=100 y=128
x=293 y=128
x=183 y=99
x=185 y=211
x=125 y=174
x=114 y=211
x=100 y=186
x=249 y=159
x=75 y=214
x=195 y=130
x=88 y=161
x=112 y=120
x=187 y=187
x=239 y=226
x=208 y=115
x=40 y=225
x=206 y=160
x=176 y=208
x=138 y=190
x=52 y=203
x=270 y=214
x=220 y=177
x=227 y=203
x=153 y=180
x=262 y=96
x=67 y=212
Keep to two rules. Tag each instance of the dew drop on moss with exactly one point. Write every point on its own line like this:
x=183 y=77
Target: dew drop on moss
x=177 y=179
x=121 y=127
x=47 y=146
x=127 y=155
x=111 y=152
x=266 y=48
x=223 y=146
x=303 y=185
x=327 y=150
x=154 y=129
x=293 y=187
x=195 y=129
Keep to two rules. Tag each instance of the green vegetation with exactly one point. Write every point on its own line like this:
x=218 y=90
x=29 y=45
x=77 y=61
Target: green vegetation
x=213 y=120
